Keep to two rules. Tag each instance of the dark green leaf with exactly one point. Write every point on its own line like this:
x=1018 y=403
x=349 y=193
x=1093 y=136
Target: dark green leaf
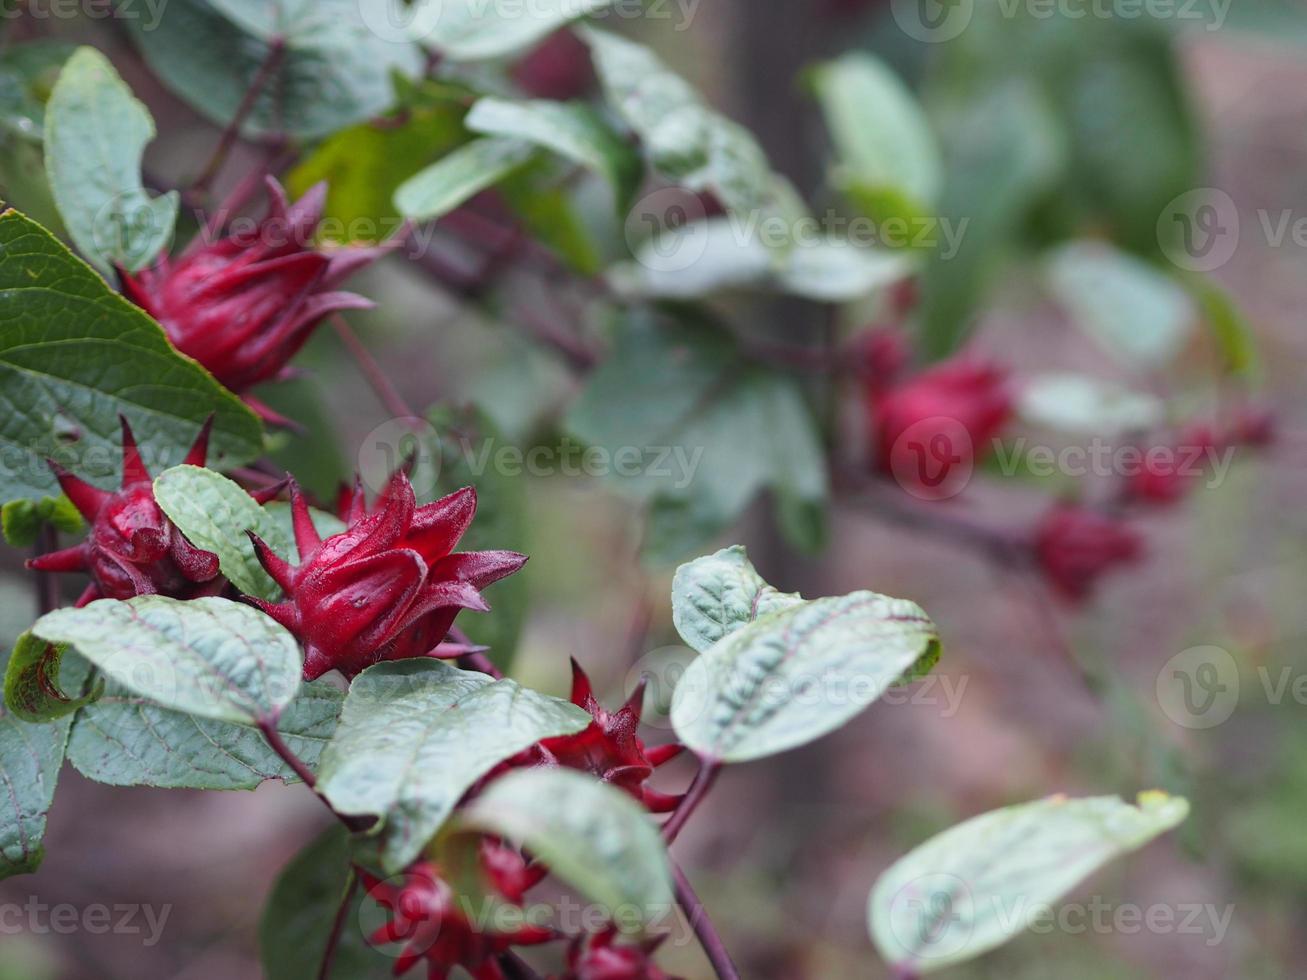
x=27 y=76
x=74 y=354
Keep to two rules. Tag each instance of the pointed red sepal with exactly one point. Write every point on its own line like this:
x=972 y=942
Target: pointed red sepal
x=657 y=802
x=307 y=539
x=582 y=692
x=87 y=499
x=631 y=711
x=134 y=470
x=199 y=451
x=72 y=559
x=660 y=754
x=281 y=571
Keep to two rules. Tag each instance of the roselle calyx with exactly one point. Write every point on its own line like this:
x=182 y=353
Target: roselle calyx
x=1076 y=548
x=388 y=587
x=603 y=956
x=245 y=304
x=131 y=548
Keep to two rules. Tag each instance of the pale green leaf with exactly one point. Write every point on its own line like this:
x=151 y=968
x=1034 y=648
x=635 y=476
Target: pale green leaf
x=716 y=595
x=590 y=835
x=27 y=75
x=474 y=30
x=797 y=674
x=209 y=657
x=35 y=688
x=96 y=132
x=977 y=885
x=460 y=175
x=415 y=735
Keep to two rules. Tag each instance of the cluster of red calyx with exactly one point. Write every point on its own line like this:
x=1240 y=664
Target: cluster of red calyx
x=387 y=587
x=1167 y=477
x=931 y=428
x=132 y=548
x=600 y=956
x=1076 y=547
x=244 y=305
x=435 y=925
x=559 y=68
x=610 y=748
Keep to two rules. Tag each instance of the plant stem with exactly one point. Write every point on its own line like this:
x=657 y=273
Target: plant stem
x=338 y=926
x=386 y=393
x=517 y=968
x=703 y=928
x=278 y=745
x=703 y=782
x=48 y=595
x=276 y=51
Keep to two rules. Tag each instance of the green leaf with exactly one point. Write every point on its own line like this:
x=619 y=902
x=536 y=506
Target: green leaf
x=298 y=918
x=685 y=141
x=472 y=30
x=22 y=519
x=1234 y=335
x=797 y=674
x=415 y=735
x=96 y=132
x=977 y=885
x=684 y=420
x=1135 y=312
x=1085 y=405
x=365 y=164
x=590 y=835
x=209 y=657
x=30 y=759
x=214 y=513
x=127 y=740
x=34 y=687
x=74 y=355
x=460 y=175
x=573 y=130
x=27 y=76
x=334 y=70
x=884 y=147
x=1003 y=151
x=468 y=440
x=716 y=595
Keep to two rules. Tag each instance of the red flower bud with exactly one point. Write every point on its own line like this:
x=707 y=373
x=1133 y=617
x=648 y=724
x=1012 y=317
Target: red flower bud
x=1076 y=548
x=932 y=429
x=609 y=749
x=244 y=305
x=132 y=548
x=387 y=587
x=599 y=957
x=1167 y=477
x=559 y=68
x=434 y=924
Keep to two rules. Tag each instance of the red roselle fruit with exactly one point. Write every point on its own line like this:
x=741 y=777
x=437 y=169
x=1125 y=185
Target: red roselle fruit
x=600 y=956
x=1076 y=548
x=932 y=429
x=132 y=548
x=559 y=68
x=609 y=749
x=1167 y=476
x=435 y=924
x=388 y=587
x=244 y=305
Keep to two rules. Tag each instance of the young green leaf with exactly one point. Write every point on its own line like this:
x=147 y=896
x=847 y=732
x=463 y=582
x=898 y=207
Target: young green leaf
x=685 y=141
x=127 y=740
x=22 y=520
x=30 y=759
x=298 y=918
x=976 y=886
x=472 y=30
x=313 y=68
x=95 y=134
x=460 y=175
x=209 y=657
x=887 y=159
x=214 y=513
x=716 y=595
x=35 y=689
x=799 y=673
x=1136 y=312
x=415 y=735
x=74 y=355
x=590 y=835
x=1234 y=335
x=573 y=130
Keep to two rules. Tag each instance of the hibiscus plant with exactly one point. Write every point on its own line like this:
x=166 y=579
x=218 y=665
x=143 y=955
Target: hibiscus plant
x=225 y=625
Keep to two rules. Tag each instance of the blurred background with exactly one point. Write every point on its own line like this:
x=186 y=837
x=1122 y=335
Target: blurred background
x=1032 y=696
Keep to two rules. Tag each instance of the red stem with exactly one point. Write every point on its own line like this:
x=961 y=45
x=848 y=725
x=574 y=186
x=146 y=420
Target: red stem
x=703 y=928
x=703 y=782
x=386 y=392
x=276 y=51
x=338 y=926
x=49 y=597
